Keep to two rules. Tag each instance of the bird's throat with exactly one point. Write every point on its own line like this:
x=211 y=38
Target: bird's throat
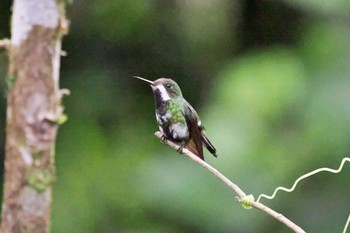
x=161 y=97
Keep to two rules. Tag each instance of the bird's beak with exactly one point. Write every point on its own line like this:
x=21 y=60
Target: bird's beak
x=145 y=80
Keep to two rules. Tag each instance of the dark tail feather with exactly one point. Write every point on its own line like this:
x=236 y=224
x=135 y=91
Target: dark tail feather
x=195 y=149
x=208 y=145
x=195 y=143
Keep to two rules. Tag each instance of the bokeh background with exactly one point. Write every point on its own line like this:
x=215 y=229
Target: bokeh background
x=270 y=80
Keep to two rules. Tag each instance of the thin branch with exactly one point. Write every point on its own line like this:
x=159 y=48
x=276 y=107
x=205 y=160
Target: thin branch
x=246 y=201
x=278 y=216
x=346 y=224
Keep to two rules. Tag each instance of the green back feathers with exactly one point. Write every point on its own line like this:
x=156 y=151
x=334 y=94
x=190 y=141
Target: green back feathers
x=177 y=111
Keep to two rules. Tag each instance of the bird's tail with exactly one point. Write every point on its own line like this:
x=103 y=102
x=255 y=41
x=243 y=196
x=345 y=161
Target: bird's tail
x=209 y=145
x=195 y=148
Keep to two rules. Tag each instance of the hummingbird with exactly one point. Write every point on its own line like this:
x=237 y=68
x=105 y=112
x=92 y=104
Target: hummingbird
x=177 y=119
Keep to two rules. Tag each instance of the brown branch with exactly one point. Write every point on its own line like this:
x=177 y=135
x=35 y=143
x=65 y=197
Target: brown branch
x=34 y=112
x=241 y=196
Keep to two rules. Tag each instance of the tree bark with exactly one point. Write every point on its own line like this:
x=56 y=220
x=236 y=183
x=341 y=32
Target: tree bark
x=33 y=113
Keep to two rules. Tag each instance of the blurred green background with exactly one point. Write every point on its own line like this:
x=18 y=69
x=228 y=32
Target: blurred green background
x=270 y=80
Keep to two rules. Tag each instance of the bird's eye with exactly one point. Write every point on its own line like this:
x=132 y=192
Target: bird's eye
x=168 y=85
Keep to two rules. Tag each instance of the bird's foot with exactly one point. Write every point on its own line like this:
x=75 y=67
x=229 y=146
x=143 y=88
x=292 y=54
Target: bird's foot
x=180 y=150
x=163 y=138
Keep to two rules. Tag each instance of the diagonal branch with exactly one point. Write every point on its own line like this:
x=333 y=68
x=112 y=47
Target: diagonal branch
x=247 y=201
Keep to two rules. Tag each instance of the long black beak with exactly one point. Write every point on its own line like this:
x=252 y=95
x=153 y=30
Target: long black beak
x=145 y=80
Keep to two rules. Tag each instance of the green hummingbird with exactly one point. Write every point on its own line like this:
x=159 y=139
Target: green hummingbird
x=177 y=119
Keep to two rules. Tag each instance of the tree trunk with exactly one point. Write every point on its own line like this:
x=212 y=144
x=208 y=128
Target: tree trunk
x=33 y=113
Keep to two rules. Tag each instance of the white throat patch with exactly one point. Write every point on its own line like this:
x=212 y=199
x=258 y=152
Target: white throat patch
x=164 y=94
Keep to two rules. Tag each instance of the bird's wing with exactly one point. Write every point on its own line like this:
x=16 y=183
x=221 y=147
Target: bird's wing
x=195 y=143
x=203 y=136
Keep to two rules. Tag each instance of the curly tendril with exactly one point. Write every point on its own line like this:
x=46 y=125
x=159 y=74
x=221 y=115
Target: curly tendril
x=324 y=169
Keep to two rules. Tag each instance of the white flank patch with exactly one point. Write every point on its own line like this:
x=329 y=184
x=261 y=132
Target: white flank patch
x=163 y=92
x=167 y=116
x=163 y=119
x=179 y=131
x=158 y=120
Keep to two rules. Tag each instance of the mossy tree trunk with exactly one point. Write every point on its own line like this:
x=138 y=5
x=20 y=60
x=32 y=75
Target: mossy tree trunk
x=33 y=113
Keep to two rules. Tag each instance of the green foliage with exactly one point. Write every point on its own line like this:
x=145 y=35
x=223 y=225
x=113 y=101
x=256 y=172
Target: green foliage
x=329 y=7
x=10 y=82
x=264 y=83
x=40 y=179
x=108 y=20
